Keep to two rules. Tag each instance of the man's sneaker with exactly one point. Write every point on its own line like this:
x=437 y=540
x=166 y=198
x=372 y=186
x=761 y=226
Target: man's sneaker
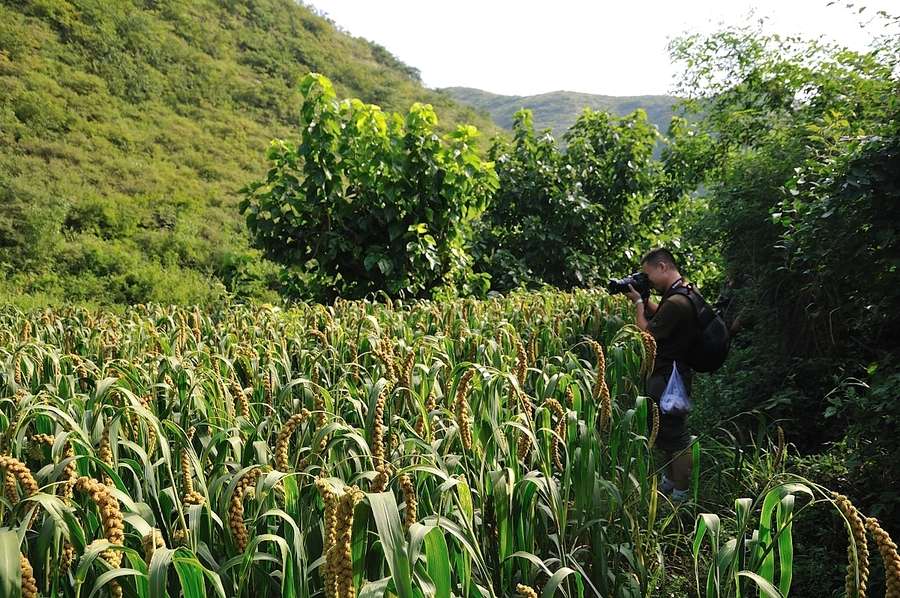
x=679 y=496
x=666 y=485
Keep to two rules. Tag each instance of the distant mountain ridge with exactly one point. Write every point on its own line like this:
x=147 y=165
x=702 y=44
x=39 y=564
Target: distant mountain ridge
x=559 y=110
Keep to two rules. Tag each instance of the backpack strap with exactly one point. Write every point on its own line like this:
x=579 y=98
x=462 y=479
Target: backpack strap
x=704 y=313
x=686 y=289
x=678 y=284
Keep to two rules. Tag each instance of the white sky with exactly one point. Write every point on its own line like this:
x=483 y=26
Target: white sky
x=607 y=47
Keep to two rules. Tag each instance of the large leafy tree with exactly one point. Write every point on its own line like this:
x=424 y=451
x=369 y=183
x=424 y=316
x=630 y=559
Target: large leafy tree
x=570 y=219
x=609 y=164
x=369 y=202
x=520 y=239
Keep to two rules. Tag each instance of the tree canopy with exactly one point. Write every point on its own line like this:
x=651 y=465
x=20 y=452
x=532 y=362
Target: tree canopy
x=369 y=202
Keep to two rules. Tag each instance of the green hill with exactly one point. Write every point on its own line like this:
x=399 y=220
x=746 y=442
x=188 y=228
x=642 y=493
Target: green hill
x=560 y=109
x=127 y=127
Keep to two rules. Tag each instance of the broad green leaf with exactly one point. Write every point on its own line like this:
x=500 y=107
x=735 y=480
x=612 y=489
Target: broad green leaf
x=159 y=569
x=390 y=532
x=101 y=585
x=190 y=574
x=785 y=543
x=190 y=570
x=437 y=562
x=557 y=578
x=375 y=589
x=10 y=565
x=764 y=585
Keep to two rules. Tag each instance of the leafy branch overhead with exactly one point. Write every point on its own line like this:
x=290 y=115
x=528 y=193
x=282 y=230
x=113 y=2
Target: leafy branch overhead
x=368 y=201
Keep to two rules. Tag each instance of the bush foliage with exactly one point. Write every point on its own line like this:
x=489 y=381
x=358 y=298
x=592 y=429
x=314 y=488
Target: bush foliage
x=368 y=202
x=797 y=144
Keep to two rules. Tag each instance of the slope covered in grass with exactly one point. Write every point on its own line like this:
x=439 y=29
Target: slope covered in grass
x=127 y=129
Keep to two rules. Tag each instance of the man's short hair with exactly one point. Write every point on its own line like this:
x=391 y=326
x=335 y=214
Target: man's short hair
x=661 y=254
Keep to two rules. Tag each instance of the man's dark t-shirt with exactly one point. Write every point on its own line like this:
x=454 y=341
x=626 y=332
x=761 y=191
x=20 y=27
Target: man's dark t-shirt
x=674 y=327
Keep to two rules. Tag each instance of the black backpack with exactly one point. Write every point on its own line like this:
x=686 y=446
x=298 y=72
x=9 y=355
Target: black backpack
x=711 y=347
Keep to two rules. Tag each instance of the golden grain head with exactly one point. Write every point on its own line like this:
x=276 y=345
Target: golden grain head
x=858 y=564
x=29 y=585
x=779 y=454
x=525 y=591
x=409 y=497
x=889 y=556
x=66 y=558
x=654 y=432
x=570 y=397
x=19 y=471
x=194 y=498
x=284 y=436
x=521 y=367
x=554 y=406
x=379 y=482
x=523 y=446
x=151 y=542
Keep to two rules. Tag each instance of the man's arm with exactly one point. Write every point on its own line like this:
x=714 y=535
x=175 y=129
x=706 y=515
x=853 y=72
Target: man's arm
x=646 y=308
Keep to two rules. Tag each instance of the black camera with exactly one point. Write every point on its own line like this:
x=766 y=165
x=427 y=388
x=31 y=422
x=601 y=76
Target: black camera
x=638 y=280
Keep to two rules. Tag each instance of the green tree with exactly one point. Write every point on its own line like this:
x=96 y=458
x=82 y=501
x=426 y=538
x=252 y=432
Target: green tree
x=571 y=219
x=369 y=202
x=762 y=109
x=29 y=225
x=519 y=242
x=609 y=164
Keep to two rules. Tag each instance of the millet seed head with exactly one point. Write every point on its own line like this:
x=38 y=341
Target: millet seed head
x=281 y=443
x=570 y=397
x=521 y=367
x=409 y=497
x=377 y=441
x=779 y=454
x=17 y=470
x=36 y=442
x=889 y=556
x=858 y=567
x=151 y=542
x=525 y=591
x=523 y=446
x=461 y=410
x=649 y=343
x=654 y=431
x=66 y=558
x=29 y=585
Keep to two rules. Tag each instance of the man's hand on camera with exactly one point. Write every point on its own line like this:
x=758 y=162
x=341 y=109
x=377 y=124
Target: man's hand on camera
x=633 y=295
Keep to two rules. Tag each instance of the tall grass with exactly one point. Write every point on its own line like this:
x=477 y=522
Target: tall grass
x=370 y=449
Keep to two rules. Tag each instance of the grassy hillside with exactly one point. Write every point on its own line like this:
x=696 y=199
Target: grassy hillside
x=127 y=127
x=559 y=110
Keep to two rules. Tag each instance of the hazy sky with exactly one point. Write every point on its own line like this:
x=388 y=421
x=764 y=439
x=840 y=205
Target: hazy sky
x=609 y=47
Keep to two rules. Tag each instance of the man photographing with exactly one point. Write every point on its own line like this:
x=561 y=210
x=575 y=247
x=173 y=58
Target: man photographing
x=673 y=323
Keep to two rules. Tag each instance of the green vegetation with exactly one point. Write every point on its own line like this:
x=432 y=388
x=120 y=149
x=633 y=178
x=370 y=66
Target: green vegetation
x=134 y=144
x=798 y=146
x=127 y=129
x=369 y=203
x=453 y=449
x=592 y=204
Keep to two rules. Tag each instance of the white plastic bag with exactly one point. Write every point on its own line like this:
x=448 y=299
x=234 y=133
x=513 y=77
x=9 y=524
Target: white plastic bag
x=674 y=399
